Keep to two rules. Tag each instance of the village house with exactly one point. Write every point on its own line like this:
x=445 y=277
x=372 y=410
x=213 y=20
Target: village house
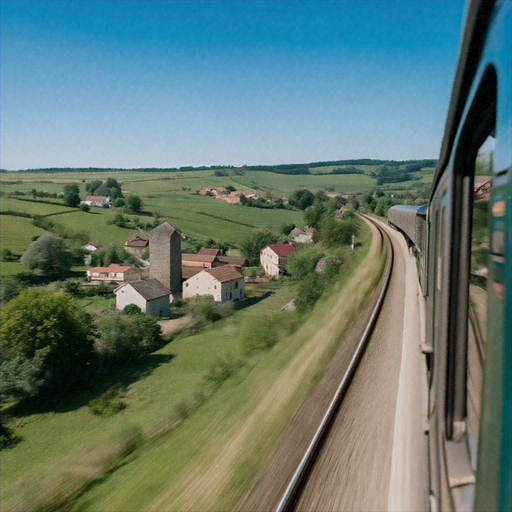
x=209 y=251
x=223 y=283
x=99 y=201
x=151 y=296
x=273 y=258
x=136 y=245
x=90 y=248
x=114 y=273
x=198 y=260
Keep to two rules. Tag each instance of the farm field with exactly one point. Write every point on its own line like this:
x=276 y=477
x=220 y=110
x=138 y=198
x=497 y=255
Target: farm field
x=170 y=194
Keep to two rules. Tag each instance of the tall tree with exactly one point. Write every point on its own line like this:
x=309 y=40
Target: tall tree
x=49 y=254
x=47 y=344
x=71 y=194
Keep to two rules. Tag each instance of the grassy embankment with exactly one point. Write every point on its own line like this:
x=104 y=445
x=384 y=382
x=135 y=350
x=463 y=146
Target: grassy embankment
x=208 y=460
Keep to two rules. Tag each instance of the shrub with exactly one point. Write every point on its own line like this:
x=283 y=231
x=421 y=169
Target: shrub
x=10 y=287
x=132 y=309
x=255 y=242
x=122 y=337
x=85 y=207
x=335 y=233
x=204 y=308
x=119 y=202
x=303 y=262
x=259 y=334
x=108 y=403
x=7 y=437
x=310 y=290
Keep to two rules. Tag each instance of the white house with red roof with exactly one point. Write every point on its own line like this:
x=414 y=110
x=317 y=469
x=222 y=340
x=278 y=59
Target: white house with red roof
x=99 y=201
x=223 y=283
x=114 y=273
x=273 y=258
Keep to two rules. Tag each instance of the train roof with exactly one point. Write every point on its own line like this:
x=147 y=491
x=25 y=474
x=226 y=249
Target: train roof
x=410 y=208
x=478 y=14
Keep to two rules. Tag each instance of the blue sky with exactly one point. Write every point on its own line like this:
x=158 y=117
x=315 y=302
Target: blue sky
x=159 y=83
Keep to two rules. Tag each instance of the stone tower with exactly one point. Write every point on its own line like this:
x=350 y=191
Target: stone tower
x=165 y=257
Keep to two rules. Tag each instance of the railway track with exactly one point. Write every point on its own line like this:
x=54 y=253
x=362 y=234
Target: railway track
x=296 y=486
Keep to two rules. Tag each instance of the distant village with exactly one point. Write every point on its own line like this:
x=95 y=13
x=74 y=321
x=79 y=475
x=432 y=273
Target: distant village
x=171 y=273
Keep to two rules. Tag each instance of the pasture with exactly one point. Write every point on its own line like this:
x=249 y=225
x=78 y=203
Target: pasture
x=173 y=195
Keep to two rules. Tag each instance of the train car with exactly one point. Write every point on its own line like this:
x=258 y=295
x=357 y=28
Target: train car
x=411 y=221
x=469 y=276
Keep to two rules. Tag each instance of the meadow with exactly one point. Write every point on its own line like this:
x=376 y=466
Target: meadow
x=171 y=195
x=238 y=425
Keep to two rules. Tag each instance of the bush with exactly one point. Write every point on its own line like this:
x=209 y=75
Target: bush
x=119 y=202
x=8 y=438
x=255 y=242
x=303 y=262
x=310 y=290
x=259 y=334
x=108 y=403
x=10 y=287
x=132 y=309
x=205 y=309
x=336 y=233
x=85 y=207
x=123 y=337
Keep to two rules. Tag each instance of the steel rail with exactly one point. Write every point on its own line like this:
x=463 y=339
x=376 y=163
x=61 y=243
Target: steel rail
x=296 y=484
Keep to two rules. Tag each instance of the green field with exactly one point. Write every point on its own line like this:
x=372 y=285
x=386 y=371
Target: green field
x=237 y=427
x=172 y=195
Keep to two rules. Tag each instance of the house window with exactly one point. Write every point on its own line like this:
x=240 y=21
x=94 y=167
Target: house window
x=236 y=284
x=186 y=285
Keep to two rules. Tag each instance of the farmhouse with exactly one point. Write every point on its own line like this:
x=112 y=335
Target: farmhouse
x=90 y=248
x=223 y=283
x=209 y=252
x=100 y=201
x=113 y=273
x=136 y=245
x=198 y=260
x=273 y=258
x=151 y=296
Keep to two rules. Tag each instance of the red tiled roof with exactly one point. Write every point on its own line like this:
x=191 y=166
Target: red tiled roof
x=188 y=272
x=224 y=274
x=111 y=268
x=204 y=258
x=236 y=261
x=136 y=241
x=209 y=252
x=96 y=198
x=283 y=250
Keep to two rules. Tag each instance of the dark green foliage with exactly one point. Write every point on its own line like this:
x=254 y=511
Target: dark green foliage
x=112 y=255
x=132 y=309
x=8 y=255
x=92 y=186
x=134 y=203
x=47 y=344
x=255 y=242
x=230 y=188
x=49 y=254
x=119 y=202
x=10 y=287
x=336 y=233
x=71 y=195
x=393 y=175
x=301 y=199
x=304 y=261
x=111 y=188
x=310 y=290
x=314 y=214
x=205 y=309
x=85 y=208
x=8 y=438
x=221 y=172
x=122 y=337
x=382 y=205
x=108 y=403
x=120 y=221
x=286 y=228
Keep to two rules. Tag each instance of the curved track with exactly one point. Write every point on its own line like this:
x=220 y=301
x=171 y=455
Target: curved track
x=297 y=484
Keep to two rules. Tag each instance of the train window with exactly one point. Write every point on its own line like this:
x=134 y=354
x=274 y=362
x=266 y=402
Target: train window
x=477 y=302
